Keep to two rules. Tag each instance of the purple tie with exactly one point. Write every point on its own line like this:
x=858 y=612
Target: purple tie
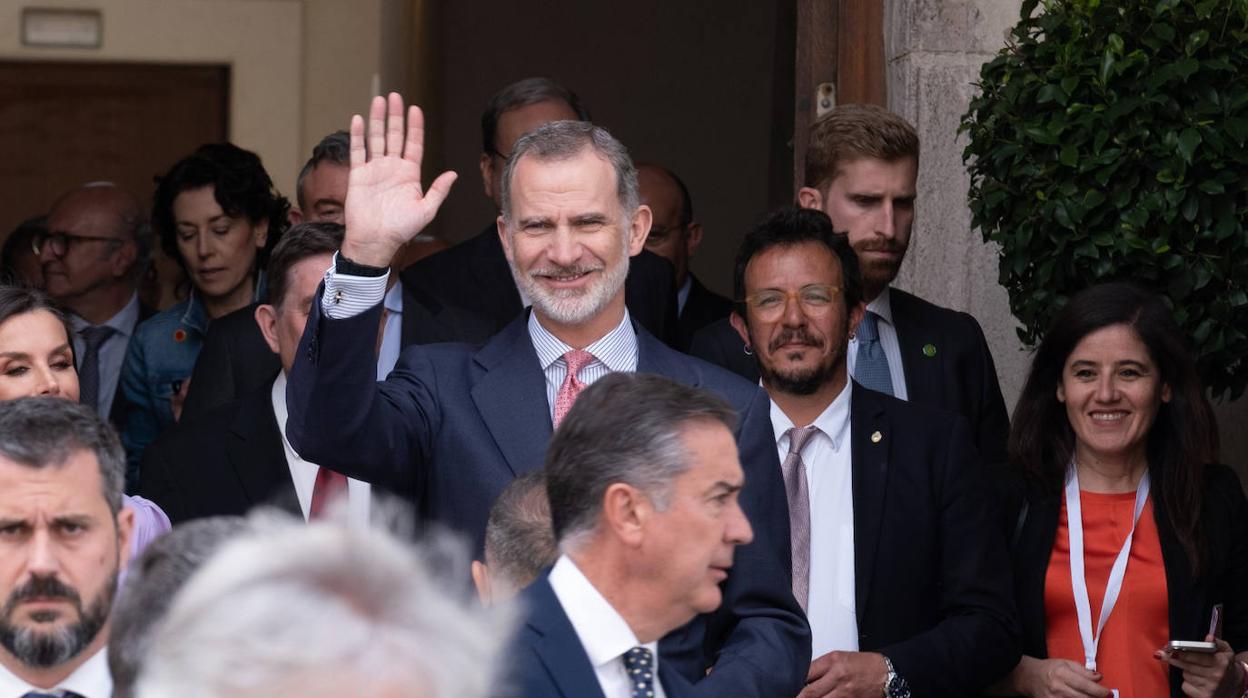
x=795 y=486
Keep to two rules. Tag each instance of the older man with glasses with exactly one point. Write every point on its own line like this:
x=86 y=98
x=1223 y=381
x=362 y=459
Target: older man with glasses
x=93 y=254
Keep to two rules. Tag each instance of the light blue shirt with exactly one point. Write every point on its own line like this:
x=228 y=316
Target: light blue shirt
x=391 y=333
x=112 y=352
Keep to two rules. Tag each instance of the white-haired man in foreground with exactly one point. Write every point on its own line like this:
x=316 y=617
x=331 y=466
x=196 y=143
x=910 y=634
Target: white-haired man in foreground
x=321 y=610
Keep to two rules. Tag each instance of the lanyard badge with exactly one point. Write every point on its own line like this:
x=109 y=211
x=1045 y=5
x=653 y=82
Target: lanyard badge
x=1117 y=573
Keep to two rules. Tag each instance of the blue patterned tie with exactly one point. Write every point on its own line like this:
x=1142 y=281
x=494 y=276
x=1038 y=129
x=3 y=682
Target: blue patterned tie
x=871 y=365
x=639 y=662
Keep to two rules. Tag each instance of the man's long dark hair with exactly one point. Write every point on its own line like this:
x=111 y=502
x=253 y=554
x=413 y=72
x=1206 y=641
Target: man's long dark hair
x=1184 y=435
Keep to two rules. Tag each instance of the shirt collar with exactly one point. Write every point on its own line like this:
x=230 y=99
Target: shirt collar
x=882 y=306
x=124 y=321
x=602 y=630
x=833 y=421
x=90 y=680
x=616 y=349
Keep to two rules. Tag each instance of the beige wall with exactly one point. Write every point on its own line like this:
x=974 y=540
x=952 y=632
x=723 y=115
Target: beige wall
x=299 y=68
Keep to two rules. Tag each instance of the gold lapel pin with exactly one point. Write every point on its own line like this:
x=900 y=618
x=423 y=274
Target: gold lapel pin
x=877 y=437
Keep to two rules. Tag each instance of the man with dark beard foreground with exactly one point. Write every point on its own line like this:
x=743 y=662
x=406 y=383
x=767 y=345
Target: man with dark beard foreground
x=62 y=533
x=895 y=557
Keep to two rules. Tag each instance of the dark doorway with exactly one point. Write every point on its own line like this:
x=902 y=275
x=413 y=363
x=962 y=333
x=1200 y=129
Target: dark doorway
x=63 y=124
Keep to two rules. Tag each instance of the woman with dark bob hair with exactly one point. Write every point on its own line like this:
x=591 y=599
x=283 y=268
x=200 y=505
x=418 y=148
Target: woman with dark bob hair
x=37 y=359
x=217 y=213
x=1125 y=532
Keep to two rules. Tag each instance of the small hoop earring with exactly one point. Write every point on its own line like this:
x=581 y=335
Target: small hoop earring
x=747 y=351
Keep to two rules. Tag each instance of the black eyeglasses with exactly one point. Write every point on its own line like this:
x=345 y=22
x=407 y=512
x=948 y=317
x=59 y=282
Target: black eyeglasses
x=59 y=243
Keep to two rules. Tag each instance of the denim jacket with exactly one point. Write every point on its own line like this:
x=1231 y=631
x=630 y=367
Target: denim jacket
x=160 y=358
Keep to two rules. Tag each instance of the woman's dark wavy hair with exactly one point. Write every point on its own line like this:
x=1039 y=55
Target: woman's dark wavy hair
x=18 y=300
x=1184 y=436
x=239 y=183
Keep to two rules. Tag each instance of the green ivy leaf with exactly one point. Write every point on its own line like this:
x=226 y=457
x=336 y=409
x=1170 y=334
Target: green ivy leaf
x=1195 y=41
x=1069 y=155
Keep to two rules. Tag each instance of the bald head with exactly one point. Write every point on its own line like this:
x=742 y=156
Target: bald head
x=95 y=248
x=674 y=235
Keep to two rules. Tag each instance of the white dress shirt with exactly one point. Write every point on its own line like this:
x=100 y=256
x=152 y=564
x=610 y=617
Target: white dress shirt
x=391 y=333
x=888 y=342
x=604 y=634
x=303 y=473
x=112 y=352
x=90 y=680
x=831 y=607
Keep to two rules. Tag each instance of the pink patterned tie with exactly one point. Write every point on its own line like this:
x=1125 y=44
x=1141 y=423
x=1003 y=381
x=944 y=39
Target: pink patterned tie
x=794 y=470
x=572 y=385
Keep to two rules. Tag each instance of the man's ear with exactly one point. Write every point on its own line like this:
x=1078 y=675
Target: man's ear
x=295 y=216
x=625 y=511
x=125 y=531
x=486 y=165
x=809 y=197
x=693 y=238
x=481 y=580
x=639 y=230
x=738 y=324
x=124 y=258
x=266 y=318
x=504 y=238
x=855 y=317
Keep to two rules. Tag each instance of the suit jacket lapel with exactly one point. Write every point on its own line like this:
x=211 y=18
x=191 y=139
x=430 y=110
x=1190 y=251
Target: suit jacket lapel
x=922 y=372
x=656 y=357
x=557 y=644
x=510 y=395
x=870 y=477
x=257 y=455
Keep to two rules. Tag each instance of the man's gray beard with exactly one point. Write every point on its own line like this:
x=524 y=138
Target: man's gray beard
x=575 y=308
x=48 y=648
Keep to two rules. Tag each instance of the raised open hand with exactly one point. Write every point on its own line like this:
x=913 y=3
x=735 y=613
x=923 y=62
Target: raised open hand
x=386 y=206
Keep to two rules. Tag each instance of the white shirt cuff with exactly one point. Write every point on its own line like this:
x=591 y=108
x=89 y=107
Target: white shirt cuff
x=347 y=296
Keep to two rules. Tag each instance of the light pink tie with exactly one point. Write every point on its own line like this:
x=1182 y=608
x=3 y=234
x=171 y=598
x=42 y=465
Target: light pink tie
x=572 y=385
x=795 y=486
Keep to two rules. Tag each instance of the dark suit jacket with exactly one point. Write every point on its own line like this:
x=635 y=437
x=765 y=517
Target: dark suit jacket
x=226 y=462
x=931 y=577
x=457 y=424
x=702 y=307
x=549 y=661
x=474 y=275
x=1030 y=516
x=959 y=377
x=235 y=360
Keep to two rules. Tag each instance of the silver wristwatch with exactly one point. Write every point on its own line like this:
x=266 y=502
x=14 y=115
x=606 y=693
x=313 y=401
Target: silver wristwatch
x=894 y=685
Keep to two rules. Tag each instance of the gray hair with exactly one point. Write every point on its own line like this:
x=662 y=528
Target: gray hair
x=151 y=583
x=293 y=604
x=40 y=432
x=519 y=540
x=626 y=427
x=563 y=140
x=334 y=148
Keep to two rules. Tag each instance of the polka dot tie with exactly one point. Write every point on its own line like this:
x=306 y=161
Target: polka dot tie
x=639 y=662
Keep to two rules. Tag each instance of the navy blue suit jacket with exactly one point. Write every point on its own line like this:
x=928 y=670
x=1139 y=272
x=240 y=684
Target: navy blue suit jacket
x=455 y=424
x=549 y=661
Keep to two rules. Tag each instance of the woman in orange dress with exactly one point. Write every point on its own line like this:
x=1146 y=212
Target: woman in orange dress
x=1125 y=533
